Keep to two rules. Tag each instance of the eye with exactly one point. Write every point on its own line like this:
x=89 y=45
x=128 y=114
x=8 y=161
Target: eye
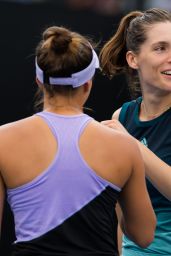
x=160 y=48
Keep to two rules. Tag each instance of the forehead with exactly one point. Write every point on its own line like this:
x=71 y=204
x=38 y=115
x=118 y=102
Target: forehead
x=159 y=32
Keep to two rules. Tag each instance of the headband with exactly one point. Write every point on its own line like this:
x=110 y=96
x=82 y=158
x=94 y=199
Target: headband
x=76 y=79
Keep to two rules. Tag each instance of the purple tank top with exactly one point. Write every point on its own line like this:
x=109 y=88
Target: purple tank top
x=65 y=187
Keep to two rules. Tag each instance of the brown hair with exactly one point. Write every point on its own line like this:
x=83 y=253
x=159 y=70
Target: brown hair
x=131 y=34
x=61 y=53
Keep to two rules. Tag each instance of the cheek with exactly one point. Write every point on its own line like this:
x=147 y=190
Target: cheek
x=148 y=68
x=148 y=73
x=145 y=70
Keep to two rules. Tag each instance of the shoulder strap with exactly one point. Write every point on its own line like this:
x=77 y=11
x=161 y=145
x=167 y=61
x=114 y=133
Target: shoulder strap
x=123 y=111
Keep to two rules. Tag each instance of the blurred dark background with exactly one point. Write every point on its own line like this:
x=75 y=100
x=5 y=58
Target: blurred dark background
x=21 y=23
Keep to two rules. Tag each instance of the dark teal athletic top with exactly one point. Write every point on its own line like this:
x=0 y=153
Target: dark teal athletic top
x=156 y=135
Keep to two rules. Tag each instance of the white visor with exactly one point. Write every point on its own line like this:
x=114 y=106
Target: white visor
x=76 y=79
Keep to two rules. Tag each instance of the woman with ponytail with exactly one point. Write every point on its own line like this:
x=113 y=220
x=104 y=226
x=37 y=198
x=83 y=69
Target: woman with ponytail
x=64 y=172
x=141 y=48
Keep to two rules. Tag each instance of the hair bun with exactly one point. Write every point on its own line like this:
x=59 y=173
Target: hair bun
x=59 y=38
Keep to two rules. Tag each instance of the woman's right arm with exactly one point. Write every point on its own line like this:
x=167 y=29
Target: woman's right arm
x=138 y=220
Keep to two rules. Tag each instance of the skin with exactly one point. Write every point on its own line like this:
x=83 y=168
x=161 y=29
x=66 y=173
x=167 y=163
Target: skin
x=154 y=58
x=32 y=139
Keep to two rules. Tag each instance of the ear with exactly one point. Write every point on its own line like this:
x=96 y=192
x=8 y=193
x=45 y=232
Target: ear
x=39 y=83
x=132 y=60
x=87 y=86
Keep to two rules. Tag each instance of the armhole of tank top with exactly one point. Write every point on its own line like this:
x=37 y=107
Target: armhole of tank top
x=123 y=111
x=89 y=119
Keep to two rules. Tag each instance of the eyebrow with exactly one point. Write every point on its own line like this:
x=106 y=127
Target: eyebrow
x=161 y=43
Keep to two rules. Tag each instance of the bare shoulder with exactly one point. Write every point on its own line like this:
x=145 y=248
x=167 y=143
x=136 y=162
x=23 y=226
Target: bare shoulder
x=13 y=126
x=16 y=131
x=116 y=114
x=114 y=138
x=119 y=152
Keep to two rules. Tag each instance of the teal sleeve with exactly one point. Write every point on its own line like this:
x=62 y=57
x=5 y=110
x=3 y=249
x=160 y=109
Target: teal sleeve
x=123 y=111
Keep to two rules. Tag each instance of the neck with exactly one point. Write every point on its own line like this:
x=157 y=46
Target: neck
x=64 y=109
x=154 y=107
x=63 y=106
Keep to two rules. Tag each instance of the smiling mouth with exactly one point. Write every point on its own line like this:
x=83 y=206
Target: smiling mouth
x=168 y=72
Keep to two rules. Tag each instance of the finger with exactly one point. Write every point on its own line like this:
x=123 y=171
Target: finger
x=106 y=122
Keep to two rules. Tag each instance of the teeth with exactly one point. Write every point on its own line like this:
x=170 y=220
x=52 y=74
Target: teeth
x=168 y=72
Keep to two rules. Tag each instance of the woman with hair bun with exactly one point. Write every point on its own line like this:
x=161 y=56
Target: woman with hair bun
x=63 y=171
x=141 y=48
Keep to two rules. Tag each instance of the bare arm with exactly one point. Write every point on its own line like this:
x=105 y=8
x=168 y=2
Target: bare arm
x=138 y=220
x=157 y=171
